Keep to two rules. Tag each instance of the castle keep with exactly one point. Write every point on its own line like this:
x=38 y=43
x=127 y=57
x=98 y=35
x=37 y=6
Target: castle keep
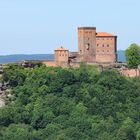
x=93 y=47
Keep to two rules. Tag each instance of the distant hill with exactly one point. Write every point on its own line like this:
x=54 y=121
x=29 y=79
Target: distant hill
x=121 y=56
x=20 y=57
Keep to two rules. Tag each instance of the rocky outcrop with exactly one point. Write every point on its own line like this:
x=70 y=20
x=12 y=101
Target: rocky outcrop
x=3 y=88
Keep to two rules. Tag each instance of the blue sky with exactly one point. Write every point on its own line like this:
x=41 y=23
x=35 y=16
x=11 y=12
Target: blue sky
x=40 y=26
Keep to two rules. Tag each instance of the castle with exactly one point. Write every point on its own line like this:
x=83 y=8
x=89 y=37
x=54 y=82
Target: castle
x=93 y=47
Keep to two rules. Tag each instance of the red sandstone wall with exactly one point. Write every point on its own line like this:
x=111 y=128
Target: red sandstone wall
x=87 y=43
x=106 y=49
x=49 y=63
x=130 y=72
x=61 y=56
x=105 y=58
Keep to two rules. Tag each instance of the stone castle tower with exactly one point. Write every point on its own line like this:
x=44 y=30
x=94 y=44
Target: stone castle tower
x=61 y=56
x=87 y=44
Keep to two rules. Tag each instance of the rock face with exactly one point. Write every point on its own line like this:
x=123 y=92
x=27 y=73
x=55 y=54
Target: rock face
x=2 y=95
x=3 y=88
x=2 y=102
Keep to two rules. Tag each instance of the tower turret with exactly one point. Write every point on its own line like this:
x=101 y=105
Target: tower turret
x=61 y=56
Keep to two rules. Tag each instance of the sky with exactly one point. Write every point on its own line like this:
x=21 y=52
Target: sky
x=40 y=26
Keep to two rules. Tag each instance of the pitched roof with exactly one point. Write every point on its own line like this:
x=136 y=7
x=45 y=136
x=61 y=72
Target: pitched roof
x=104 y=34
x=61 y=49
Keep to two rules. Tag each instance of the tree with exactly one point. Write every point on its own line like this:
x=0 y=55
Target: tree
x=133 y=56
x=18 y=132
x=14 y=75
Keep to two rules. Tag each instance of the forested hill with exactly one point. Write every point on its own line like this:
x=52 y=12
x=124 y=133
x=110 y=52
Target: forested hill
x=69 y=104
x=20 y=57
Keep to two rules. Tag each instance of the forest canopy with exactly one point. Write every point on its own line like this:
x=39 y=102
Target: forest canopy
x=54 y=103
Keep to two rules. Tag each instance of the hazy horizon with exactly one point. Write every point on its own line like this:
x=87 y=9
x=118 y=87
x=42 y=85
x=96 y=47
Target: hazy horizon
x=34 y=53
x=38 y=27
x=21 y=57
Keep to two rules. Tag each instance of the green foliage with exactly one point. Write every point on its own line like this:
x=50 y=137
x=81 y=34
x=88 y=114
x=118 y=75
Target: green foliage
x=14 y=75
x=19 y=132
x=70 y=104
x=133 y=56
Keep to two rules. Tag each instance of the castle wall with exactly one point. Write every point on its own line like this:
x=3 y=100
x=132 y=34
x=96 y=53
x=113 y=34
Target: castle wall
x=105 y=58
x=49 y=63
x=130 y=72
x=106 y=49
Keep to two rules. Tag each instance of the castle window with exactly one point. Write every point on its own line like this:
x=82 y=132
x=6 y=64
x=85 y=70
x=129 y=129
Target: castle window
x=97 y=45
x=107 y=50
x=103 y=50
x=103 y=45
x=107 y=45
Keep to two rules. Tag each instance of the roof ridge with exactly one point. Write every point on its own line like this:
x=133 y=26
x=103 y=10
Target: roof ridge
x=61 y=49
x=104 y=34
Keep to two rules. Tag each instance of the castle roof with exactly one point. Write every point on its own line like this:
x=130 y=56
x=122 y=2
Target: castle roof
x=104 y=34
x=61 y=49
